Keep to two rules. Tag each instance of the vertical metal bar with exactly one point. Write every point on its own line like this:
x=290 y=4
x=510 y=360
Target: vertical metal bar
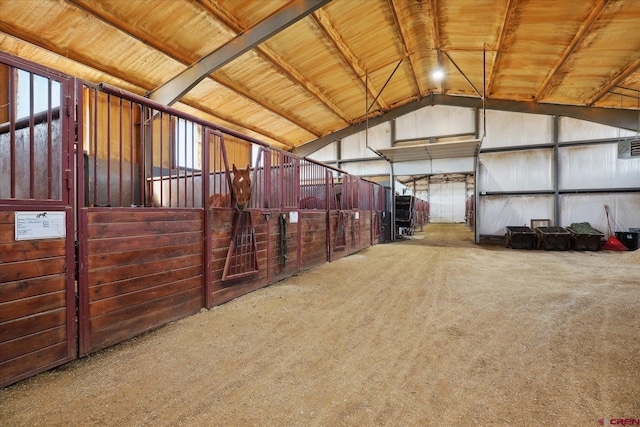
x=95 y=146
x=32 y=141
x=207 y=237
x=171 y=145
x=80 y=182
x=12 y=128
x=149 y=146
x=108 y=149
x=205 y=200
x=556 y=171
x=161 y=137
x=142 y=128
x=131 y=154
x=120 y=135
x=268 y=154
x=49 y=140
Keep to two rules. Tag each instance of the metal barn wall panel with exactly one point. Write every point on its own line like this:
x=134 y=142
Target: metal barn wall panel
x=372 y=168
x=497 y=212
x=355 y=146
x=328 y=153
x=436 y=166
x=570 y=129
x=529 y=170
x=435 y=121
x=597 y=167
x=624 y=210
x=447 y=202
x=507 y=129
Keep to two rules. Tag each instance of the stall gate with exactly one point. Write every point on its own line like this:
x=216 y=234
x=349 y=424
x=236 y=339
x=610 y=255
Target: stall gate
x=119 y=216
x=37 y=259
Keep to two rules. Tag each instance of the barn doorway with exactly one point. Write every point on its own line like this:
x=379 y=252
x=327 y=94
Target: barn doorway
x=448 y=195
x=447 y=199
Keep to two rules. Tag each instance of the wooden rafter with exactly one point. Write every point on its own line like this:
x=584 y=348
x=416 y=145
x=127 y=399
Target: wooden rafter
x=132 y=31
x=322 y=20
x=506 y=23
x=408 y=50
x=577 y=39
x=631 y=69
x=271 y=56
x=435 y=28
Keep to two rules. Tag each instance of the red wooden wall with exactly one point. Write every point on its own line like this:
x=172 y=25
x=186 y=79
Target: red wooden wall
x=143 y=269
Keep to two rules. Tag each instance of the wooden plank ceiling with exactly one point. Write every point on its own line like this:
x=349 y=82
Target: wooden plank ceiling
x=322 y=73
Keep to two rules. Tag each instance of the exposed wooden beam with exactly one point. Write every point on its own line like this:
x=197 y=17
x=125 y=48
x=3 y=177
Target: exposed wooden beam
x=322 y=19
x=405 y=40
x=506 y=23
x=547 y=84
x=133 y=31
x=631 y=69
x=435 y=28
x=175 y=88
x=270 y=55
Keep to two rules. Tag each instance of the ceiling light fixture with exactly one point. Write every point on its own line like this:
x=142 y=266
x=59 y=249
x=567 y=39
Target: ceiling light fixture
x=437 y=75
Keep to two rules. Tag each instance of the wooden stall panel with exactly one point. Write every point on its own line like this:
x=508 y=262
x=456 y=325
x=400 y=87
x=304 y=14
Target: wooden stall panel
x=35 y=334
x=222 y=224
x=283 y=246
x=144 y=269
x=338 y=234
x=364 y=239
x=313 y=238
x=353 y=232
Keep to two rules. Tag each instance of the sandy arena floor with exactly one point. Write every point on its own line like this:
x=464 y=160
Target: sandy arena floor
x=434 y=331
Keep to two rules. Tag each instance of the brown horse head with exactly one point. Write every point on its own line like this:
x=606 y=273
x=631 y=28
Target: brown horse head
x=242 y=186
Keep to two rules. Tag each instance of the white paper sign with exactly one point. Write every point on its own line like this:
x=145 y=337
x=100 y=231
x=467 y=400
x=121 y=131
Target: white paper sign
x=40 y=225
x=293 y=217
x=357 y=215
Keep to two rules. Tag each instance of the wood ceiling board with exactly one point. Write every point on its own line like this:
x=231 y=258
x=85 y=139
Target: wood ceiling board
x=171 y=25
x=606 y=51
x=261 y=80
x=571 y=53
x=248 y=13
x=218 y=121
x=92 y=42
x=53 y=61
x=221 y=101
x=534 y=44
x=368 y=28
x=401 y=84
x=466 y=26
x=305 y=47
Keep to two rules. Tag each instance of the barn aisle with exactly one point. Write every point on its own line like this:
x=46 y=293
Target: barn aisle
x=430 y=331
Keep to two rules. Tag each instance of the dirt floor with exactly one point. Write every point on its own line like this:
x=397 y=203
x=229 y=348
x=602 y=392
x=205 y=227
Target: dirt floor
x=430 y=331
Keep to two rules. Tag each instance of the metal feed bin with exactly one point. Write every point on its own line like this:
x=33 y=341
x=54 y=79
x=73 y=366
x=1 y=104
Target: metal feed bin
x=520 y=237
x=553 y=238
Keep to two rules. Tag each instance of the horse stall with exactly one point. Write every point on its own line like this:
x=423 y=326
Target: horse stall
x=157 y=215
x=140 y=238
x=37 y=256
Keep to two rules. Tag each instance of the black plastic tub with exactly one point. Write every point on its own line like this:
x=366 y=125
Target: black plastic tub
x=554 y=238
x=629 y=239
x=520 y=238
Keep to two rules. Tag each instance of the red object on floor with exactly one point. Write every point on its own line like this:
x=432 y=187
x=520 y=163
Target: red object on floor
x=613 y=244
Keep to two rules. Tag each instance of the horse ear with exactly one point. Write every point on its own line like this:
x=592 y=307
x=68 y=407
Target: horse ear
x=235 y=170
x=249 y=167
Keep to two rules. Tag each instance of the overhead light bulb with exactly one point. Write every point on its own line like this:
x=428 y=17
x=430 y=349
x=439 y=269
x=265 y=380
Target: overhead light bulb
x=437 y=75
